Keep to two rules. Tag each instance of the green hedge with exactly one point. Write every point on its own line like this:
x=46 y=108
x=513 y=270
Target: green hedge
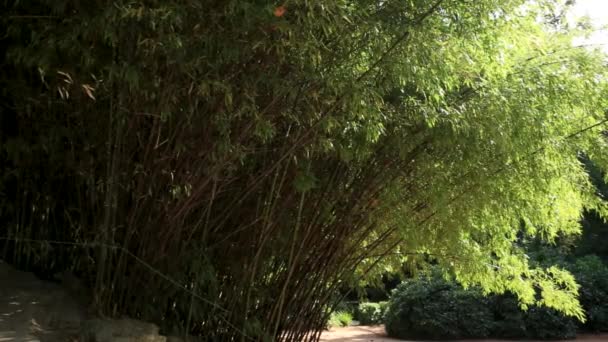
x=433 y=308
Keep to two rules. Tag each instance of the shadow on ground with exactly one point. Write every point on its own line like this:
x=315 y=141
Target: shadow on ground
x=33 y=310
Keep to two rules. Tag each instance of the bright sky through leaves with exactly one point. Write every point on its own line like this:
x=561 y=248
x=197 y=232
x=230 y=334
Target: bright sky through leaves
x=597 y=11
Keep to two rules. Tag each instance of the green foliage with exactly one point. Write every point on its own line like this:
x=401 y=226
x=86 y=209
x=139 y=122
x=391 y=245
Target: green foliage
x=258 y=161
x=371 y=313
x=547 y=323
x=595 y=232
x=434 y=308
x=592 y=275
x=590 y=272
x=340 y=319
x=510 y=317
x=349 y=307
x=534 y=323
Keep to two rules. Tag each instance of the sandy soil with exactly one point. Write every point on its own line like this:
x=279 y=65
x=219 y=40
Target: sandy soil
x=377 y=334
x=358 y=333
x=32 y=310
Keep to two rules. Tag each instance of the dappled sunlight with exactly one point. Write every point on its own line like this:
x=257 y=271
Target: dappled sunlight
x=596 y=11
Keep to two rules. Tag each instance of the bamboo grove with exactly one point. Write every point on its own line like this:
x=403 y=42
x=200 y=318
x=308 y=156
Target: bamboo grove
x=222 y=167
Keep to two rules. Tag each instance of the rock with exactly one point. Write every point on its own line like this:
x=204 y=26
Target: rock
x=36 y=310
x=119 y=330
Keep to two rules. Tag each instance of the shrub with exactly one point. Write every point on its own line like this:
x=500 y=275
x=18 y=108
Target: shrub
x=537 y=322
x=508 y=316
x=546 y=323
x=340 y=319
x=592 y=275
x=371 y=313
x=432 y=308
x=383 y=308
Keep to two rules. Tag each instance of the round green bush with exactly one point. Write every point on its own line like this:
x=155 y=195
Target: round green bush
x=432 y=308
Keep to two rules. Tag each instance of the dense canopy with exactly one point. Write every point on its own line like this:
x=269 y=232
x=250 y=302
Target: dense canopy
x=241 y=160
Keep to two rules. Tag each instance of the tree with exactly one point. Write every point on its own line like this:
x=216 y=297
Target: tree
x=254 y=158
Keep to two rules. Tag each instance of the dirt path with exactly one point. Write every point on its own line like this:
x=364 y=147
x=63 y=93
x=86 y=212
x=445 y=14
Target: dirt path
x=32 y=310
x=357 y=333
x=377 y=334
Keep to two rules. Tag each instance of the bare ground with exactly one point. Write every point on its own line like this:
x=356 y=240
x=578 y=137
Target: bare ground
x=356 y=333
x=32 y=310
x=35 y=311
x=377 y=334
